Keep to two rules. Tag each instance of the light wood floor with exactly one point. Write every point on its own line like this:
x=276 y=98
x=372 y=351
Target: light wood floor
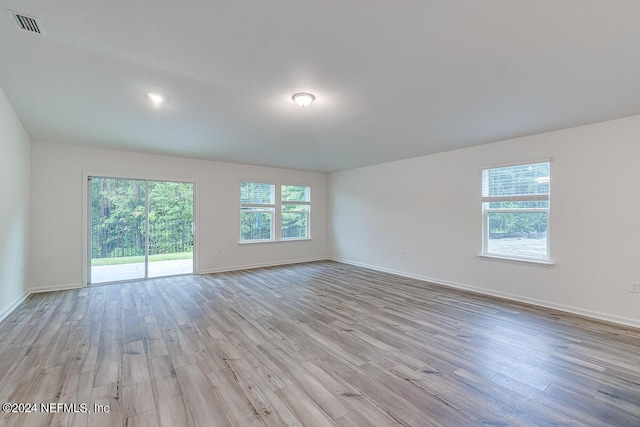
x=312 y=344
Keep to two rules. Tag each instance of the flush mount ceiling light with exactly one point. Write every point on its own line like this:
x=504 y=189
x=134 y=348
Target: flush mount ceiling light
x=303 y=99
x=157 y=99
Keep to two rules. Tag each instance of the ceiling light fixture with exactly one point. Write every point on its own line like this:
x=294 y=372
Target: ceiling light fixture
x=155 y=98
x=303 y=99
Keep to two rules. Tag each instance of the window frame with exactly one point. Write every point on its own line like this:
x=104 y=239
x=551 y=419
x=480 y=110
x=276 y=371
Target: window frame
x=296 y=203
x=276 y=211
x=271 y=206
x=486 y=210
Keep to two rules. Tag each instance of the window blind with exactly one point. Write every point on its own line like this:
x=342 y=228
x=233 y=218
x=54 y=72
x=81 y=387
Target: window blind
x=528 y=182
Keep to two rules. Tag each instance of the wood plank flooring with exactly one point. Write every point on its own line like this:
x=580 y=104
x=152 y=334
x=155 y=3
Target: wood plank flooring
x=317 y=344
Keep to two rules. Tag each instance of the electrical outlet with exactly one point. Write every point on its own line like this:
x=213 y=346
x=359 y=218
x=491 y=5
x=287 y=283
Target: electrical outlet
x=401 y=254
x=634 y=287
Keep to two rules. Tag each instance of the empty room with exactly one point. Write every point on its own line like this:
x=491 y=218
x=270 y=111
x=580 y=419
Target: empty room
x=421 y=213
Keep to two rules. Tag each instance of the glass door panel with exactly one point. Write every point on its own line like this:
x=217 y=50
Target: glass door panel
x=117 y=231
x=171 y=228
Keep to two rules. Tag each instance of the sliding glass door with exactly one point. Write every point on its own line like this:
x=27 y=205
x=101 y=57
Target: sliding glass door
x=139 y=229
x=170 y=228
x=117 y=229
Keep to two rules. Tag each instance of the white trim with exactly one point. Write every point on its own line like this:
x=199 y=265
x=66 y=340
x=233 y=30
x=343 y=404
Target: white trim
x=86 y=201
x=307 y=211
x=260 y=265
x=276 y=227
x=265 y=207
x=86 y=235
x=517 y=210
x=620 y=320
x=289 y=202
x=7 y=311
x=486 y=210
x=518 y=163
x=140 y=177
x=258 y=205
x=146 y=227
x=55 y=288
x=308 y=231
x=196 y=227
x=277 y=211
x=288 y=239
x=292 y=184
x=294 y=239
x=518 y=198
x=18 y=301
x=540 y=262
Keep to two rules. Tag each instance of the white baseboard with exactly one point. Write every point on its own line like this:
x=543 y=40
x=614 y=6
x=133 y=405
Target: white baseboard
x=260 y=265
x=621 y=320
x=54 y=288
x=626 y=321
x=71 y=286
x=7 y=311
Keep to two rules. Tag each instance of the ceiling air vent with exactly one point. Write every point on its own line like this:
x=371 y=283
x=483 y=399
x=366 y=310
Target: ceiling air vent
x=27 y=23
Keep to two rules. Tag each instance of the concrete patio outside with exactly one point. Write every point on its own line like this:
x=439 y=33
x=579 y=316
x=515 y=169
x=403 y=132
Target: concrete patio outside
x=118 y=272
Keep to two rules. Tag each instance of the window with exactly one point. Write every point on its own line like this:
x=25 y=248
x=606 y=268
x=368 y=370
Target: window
x=515 y=207
x=296 y=202
x=257 y=210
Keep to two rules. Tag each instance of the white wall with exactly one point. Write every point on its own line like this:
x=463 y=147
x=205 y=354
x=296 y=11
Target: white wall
x=15 y=146
x=431 y=206
x=58 y=195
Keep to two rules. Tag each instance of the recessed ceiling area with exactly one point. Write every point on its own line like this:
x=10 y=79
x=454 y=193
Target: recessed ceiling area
x=391 y=81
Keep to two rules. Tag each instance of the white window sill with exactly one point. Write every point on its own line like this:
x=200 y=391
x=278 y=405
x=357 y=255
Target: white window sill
x=541 y=263
x=254 y=242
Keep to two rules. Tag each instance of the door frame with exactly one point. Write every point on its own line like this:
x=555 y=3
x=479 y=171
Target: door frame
x=85 y=269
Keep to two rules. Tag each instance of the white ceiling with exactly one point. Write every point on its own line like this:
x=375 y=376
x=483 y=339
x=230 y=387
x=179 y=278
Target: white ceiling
x=392 y=80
